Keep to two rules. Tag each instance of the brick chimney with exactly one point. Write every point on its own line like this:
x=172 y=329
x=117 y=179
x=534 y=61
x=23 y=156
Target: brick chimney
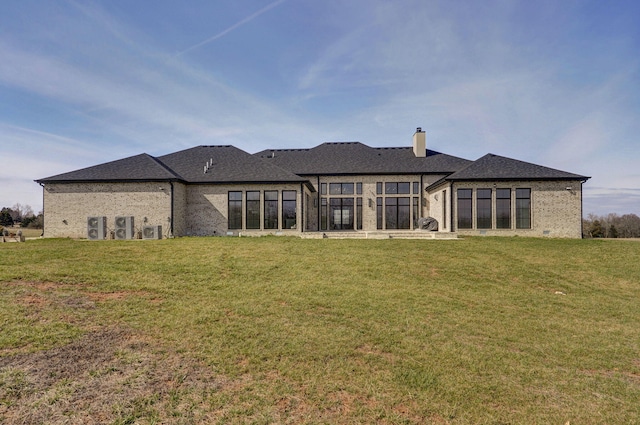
x=419 y=143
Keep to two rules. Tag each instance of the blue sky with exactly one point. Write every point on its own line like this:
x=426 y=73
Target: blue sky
x=555 y=83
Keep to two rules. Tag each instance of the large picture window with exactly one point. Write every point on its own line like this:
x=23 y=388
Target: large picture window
x=503 y=208
x=483 y=205
x=465 y=209
x=523 y=208
x=270 y=209
x=397 y=213
x=341 y=213
x=289 y=209
x=235 y=210
x=253 y=209
x=393 y=211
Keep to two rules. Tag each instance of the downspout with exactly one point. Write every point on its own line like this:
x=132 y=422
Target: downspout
x=451 y=209
x=421 y=192
x=581 y=209
x=171 y=218
x=302 y=198
x=42 y=185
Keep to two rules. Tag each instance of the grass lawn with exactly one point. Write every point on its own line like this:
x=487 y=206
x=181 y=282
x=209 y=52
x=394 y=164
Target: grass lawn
x=284 y=330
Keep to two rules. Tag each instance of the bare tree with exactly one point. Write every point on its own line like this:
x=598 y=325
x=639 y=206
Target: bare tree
x=611 y=226
x=19 y=212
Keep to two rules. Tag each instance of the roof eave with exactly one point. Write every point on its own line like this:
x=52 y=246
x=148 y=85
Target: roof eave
x=48 y=181
x=246 y=182
x=384 y=173
x=463 y=179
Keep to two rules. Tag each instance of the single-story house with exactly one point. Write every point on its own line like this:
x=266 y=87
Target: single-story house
x=333 y=187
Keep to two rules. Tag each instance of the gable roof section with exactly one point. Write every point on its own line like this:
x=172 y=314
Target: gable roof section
x=141 y=167
x=230 y=165
x=495 y=167
x=358 y=158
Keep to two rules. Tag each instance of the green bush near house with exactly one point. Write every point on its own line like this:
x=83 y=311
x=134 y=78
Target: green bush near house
x=286 y=330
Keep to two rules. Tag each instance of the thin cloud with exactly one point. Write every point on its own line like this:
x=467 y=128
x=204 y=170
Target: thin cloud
x=233 y=27
x=605 y=200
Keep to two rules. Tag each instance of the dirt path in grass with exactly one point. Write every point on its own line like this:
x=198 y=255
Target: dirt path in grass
x=109 y=375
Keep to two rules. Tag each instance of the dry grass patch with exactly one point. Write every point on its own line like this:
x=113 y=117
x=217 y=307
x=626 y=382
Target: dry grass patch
x=107 y=376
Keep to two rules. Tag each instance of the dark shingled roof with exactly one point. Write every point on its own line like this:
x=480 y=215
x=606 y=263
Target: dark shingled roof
x=141 y=167
x=230 y=164
x=358 y=158
x=495 y=167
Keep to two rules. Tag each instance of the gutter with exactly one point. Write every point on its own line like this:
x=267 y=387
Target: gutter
x=582 y=182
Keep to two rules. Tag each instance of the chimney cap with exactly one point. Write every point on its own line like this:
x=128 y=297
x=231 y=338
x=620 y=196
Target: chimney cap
x=419 y=130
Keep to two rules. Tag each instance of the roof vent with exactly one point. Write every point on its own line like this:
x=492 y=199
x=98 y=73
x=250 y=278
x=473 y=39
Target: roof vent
x=208 y=165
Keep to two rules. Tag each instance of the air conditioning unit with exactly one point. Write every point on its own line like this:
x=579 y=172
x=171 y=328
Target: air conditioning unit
x=152 y=232
x=124 y=227
x=96 y=228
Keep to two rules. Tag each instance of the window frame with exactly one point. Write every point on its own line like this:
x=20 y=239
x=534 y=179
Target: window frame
x=484 y=203
x=252 y=216
x=234 y=210
x=271 y=215
x=289 y=209
x=466 y=206
x=523 y=208
x=503 y=208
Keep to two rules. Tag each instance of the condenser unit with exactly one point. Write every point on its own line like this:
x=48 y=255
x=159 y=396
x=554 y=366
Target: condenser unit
x=152 y=232
x=124 y=227
x=96 y=228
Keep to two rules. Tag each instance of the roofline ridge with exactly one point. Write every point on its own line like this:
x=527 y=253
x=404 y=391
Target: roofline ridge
x=165 y=166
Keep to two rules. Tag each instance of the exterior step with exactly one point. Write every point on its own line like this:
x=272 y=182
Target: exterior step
x=409 y=234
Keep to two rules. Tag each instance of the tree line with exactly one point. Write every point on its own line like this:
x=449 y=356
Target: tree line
x=21 y=215
x=611 y=226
